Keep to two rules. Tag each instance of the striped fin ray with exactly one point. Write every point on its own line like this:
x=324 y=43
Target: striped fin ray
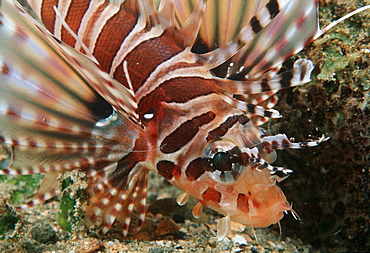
x=288 y=35
x=266 y=100
x=281 y=141
x=51 y=111
x=247 y=34
x=52 y=119
x=48 y=189
x=121 y=98
x=219 y=27
x=268 y=34
x=117 y=198
x=227 y=34
x=282 y=38
x=109 y=29
x=298 y=75
x=117 y=190
x=261 y=92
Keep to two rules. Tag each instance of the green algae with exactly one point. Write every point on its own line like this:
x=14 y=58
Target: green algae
x=5 y=156
x=336 y=61
x=24 y=186
x=67 y=203
x=19 y=188
x=71 y=213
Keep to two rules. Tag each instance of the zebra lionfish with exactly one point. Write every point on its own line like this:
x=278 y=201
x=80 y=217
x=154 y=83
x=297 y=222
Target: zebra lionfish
x=118 y=88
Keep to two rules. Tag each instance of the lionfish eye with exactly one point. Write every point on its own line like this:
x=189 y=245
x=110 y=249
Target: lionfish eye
x=222 y=161
x=226 y=161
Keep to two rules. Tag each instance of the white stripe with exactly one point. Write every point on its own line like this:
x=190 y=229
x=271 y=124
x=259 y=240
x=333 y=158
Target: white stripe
x=181 y=72
x=106 y=14
x=133 y=39
x=193 y=108
x=85 y=20
x=63 y=6
x=8 y=27
x=163 y=73
x=36 y=6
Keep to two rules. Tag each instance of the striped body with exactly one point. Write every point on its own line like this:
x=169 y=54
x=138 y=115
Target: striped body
x=188 y=116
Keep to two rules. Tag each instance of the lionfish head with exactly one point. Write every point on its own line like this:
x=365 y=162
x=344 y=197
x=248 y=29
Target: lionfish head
x=230 y=173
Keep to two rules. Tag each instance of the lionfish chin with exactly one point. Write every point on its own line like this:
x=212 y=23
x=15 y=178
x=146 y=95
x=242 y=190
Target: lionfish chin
x=118 y=88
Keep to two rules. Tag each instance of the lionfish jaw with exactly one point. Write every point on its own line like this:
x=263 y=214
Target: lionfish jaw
x=253 y=199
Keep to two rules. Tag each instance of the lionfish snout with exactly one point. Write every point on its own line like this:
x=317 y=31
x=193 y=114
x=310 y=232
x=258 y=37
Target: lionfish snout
x=233 y=176
x=238 y=165
x=229 y=156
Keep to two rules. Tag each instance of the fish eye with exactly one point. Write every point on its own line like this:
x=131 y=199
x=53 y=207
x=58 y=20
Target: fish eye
x=226 y=163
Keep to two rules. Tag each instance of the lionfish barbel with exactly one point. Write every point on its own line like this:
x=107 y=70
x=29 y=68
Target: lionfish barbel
x=118 y=88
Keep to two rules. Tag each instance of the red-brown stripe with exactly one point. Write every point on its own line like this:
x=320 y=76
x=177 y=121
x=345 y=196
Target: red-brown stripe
x=168 y=169
x=160 y=49
x=12 y=111
x=92 y=21
x=48 y=14
x=225 y=126
x=5 y=69
x=111 y=37
x=212 y=195
x=75 y=13
x=196 y=168
x=178 y=90
x=185 y=133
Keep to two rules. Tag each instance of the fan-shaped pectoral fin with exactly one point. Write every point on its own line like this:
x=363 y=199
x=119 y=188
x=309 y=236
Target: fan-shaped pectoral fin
x=116 y=197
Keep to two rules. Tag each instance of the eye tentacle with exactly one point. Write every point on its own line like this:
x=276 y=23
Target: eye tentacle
x=252 y=158
x=281 y=141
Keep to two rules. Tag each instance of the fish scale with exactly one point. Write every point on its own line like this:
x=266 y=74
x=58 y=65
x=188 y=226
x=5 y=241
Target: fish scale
x=117 y=88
